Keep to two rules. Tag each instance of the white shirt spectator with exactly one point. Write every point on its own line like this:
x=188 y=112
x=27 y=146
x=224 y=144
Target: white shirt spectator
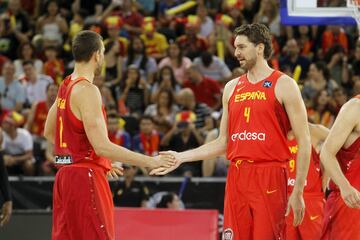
x=207 y=27
x=217 y=70
x=36 y=92
x=11 y=94
x=19 y=70
x=21 y=144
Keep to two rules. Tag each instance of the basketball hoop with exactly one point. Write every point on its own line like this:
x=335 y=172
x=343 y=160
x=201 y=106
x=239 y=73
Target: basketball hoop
x=356 y=12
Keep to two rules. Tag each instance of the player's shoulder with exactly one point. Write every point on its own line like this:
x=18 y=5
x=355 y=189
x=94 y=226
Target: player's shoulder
x=353 y=104
x=85 y=89
x=230 y=86
x=286 y=81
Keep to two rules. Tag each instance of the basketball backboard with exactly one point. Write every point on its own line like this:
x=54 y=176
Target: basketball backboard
x=317 y=12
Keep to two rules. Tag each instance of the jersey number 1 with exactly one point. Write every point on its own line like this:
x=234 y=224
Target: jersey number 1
x=62 y=144
x=247 y=114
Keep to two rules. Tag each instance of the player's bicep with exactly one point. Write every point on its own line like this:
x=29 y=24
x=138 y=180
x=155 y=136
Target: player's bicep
x=90 y=107
x=225 y=101
x=342 y=128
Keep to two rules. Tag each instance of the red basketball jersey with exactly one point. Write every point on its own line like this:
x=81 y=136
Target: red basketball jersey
x=71 y=143
x=40 y=115
x=258 y=123
x=313 y=180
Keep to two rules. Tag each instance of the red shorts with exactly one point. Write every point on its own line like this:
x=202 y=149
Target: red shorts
x=255 y=201
x=82 y=204
x=340 y=221
x=311 y=226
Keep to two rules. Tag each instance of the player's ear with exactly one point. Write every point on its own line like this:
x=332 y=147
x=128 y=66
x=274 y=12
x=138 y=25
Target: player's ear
x=260 y=48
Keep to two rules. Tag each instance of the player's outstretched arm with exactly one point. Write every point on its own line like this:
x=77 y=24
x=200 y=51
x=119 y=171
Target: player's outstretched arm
x=86 y=99
x=209 y=150
x=346 y=121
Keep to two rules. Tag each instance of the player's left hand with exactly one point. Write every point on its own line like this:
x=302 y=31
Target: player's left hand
x=165 y=170
x=297 y=204
x=115 y=172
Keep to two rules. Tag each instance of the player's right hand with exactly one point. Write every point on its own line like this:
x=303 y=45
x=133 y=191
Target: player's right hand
x=162 y=170
x=351 y=196
x=163 y=161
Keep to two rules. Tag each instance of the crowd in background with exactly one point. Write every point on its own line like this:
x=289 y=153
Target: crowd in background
x=164 y=71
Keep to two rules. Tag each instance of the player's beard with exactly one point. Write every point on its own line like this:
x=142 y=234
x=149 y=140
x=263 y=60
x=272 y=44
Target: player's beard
x=249 y=64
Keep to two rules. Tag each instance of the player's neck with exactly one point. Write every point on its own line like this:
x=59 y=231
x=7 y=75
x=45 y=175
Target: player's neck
x=259 y=71
x=83 y=70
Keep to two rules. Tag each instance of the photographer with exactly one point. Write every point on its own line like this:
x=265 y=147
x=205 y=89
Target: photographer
x=184 y=136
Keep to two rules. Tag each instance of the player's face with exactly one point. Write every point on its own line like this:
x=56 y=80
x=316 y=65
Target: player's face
x=245 y=52
x=100 y=59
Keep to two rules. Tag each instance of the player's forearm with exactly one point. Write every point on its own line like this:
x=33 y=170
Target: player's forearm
x=303 y=161
x=205 y=152
x=332 y=168
x=116 y=153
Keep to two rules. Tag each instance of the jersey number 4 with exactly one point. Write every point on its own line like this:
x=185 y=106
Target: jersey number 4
x=247 y=114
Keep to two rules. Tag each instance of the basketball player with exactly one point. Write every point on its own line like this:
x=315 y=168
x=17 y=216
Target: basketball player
x=257 y=108
x=82 y=201
x=315 y=187
x=341 y=158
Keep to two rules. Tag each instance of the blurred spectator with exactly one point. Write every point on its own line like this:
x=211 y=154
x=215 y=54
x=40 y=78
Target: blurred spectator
x=135 y=96
x=269 y=15
x=12 y=92
x=165 y=81
x=52 y=25
x=147 y=7
x=35 y=84
x=77 y=23
x=117 y=133
x=339 y=99
x=130 y=193
x=113 y=25
x=94 y=8
x=113 y=63
x=137 y=56
x=10 y=39
x=186 y=99
x=53 y=66
x=305 y=41
x=176 y=61
x=148 y=140
x=37 y=116
x=191 y=43
x=155 y=42
x=19 y=20
x=17 y=145
x=319 y=79
x=213 y=67
x=293 y=59
x=337 y=63
x=206 y=89
x=106 y=94
x=26 y=52
x=184 y=136
x=334 y=35
x=206 y=23
x=163 y=110
x=170 y=201
x=322 y=112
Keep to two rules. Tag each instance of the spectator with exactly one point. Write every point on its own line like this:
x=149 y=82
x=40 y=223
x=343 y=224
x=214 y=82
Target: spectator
x=165 y=81
x=137 y=56
x=163 y=110
x=36 y=84
x=11 y=90
x=206 y=23
x=10 y=39
x=117 y=133
x=51 y=25
x=39 y=110
x=17 y=145
x=186 y=99
x=53 y=66
x=21 y=23
x=184 y=136
x=170 y=201
x=130 y=193
x=334 y=35
x=176 y=61
x=305 y=41
x=293 y=59
x=106 y=94
x=155 y=42
x=191 y=42
x=339 y=99
x=337 y=63
x=269 y=15
x=319 y=79
x=113 y=25
x=135 y=94
x=26 y=52
x=148 y=140
x=322 y=112
x=206 y=90
x=113 y=63
x=213 y=67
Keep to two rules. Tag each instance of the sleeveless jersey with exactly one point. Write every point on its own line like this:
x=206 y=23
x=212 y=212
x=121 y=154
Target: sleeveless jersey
x=258 y=123
x=40 y=115
x=313 y=181
x=71 y=143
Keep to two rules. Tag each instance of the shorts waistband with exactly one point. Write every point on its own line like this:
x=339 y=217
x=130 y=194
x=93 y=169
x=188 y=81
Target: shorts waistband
x=251 y=163
x=85 y=165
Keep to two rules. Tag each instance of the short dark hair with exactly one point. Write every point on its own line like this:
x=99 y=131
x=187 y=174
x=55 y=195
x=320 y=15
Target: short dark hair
x=165 y=200
x=257 y=33
x=147 y=117
x=28 y=62
x=85 y=44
